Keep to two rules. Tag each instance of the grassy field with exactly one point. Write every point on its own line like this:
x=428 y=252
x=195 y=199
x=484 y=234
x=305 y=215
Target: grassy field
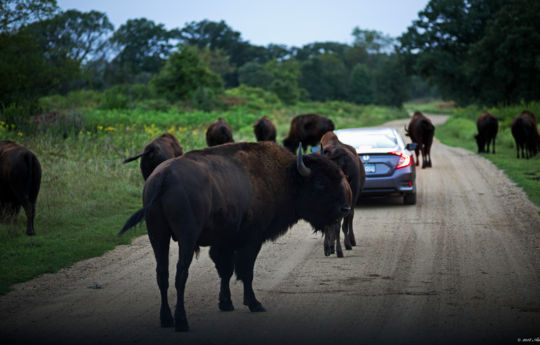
x=87 y=193
x=460 y=129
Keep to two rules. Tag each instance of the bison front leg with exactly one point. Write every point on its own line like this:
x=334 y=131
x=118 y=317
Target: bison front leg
x=336 y=228
x=244 y=264
x=224 y=260
x=329 y=240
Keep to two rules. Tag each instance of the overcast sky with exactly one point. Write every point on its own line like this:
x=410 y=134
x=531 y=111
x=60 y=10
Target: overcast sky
x=289 y=22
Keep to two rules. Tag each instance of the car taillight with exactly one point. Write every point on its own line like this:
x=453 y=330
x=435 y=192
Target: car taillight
x=404 y=160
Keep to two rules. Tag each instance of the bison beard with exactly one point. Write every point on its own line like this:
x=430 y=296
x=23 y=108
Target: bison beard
x=233 y=198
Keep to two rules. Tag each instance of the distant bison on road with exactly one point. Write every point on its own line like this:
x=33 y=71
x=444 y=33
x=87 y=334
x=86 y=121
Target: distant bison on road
x=488 y=126
x=20 y=179
x=233 y=198
x=164 y=147
x=421 y=132
x=264 y=129
x=307 y=129
x=219 y=132
x=525 y=133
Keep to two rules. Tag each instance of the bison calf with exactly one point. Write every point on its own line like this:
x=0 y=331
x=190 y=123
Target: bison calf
x=307 y=129
x=264 y=129
x=164 y=147
x=219 y=132
x=20 y=179
x=488 y=126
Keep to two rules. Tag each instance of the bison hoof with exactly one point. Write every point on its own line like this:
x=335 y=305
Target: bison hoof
x=167 y=321
x=226 y=306
x=256 y=308
x=340 y=254
x=181 y=326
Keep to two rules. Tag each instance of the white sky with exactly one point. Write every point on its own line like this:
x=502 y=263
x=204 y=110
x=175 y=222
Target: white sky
x=289 y=22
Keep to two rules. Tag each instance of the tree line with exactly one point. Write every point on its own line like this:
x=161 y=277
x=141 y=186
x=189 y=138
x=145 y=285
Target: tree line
x=481 y=51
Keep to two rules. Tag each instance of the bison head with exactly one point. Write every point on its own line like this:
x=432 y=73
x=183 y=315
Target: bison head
x=322 y=197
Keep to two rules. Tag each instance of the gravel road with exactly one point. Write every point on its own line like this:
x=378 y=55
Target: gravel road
x=461 y=266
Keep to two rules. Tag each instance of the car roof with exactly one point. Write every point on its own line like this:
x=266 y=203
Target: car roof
x=368 y=130
x=353 y=137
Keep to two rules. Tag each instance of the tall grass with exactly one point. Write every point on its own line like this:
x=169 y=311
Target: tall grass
x=459 y=131
x=87 y=193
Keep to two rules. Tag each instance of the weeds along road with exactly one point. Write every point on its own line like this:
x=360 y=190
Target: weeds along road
x=462 y=266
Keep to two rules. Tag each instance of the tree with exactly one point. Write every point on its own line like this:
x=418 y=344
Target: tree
x=17 y=13
x=324 y=77
x=373 y=42
x=82 y=36
x=255 y=75
x=438 y=44
x=183 y=74
x=390 y=82
x=504 y=65
x=360 y=86
x=143 y=49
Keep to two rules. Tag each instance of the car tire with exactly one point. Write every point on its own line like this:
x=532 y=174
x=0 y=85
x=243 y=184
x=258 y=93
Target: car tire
x=409 y=199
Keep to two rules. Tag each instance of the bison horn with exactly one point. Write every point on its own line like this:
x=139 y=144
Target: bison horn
x=302 y=168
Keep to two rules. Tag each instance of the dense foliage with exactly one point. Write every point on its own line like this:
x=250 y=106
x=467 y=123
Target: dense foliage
x=477 y=51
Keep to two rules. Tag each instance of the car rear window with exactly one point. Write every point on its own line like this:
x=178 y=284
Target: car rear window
x=369 y=141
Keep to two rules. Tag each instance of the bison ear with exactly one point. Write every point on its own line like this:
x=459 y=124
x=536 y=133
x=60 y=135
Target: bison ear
x=303 y=170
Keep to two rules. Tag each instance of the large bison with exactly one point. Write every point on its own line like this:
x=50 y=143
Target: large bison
x=525 y=133
x=233 y=198
x=164 y=147
x=347 y=159
x=20 y=179
x=488 y=126
x=219 y=132
x=421 y=132
x=264 y=129
x=307 y=129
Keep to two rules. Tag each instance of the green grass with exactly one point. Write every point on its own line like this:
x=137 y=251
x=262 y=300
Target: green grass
x=460 y=129
x=87 y=193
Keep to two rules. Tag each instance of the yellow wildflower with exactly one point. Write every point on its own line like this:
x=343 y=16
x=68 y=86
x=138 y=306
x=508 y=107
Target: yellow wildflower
x=99 y=128
x=20 y=134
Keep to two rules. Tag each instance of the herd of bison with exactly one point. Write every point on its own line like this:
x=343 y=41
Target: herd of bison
x=235 y=196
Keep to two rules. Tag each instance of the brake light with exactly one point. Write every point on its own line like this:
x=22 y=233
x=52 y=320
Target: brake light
x=404 y=160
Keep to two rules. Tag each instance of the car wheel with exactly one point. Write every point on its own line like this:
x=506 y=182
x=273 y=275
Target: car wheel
x=409 y=199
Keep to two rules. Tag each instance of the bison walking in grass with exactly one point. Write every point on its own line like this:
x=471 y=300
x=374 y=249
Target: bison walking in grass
x=488 y=126
x=219 y=132
x=264 y=129
x=525 y=132
x=164 y=147
x=20 y=180
x=233 y=198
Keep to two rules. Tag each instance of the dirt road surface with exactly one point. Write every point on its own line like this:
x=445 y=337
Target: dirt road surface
x=461 y=266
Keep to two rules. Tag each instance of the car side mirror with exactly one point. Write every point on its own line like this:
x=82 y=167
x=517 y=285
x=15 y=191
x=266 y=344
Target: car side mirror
x=411 y=146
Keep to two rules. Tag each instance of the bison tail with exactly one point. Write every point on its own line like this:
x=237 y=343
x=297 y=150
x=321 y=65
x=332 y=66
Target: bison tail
x=131 y=159
x=135 y=219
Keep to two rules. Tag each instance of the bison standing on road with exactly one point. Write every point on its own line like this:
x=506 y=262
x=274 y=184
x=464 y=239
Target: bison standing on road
x=264 y=129
x=421 y=132
x=164 y=147
x=307 y=129
x=347 y=159
x=525 y=133
x=488 y=126
x=219 y=132
x=20 y=179
x=233 y=198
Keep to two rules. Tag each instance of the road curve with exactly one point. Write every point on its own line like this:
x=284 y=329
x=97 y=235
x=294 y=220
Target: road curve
x=461 y=266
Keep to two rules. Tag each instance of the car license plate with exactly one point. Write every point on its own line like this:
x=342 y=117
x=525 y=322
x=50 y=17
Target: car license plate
x=370 y=168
